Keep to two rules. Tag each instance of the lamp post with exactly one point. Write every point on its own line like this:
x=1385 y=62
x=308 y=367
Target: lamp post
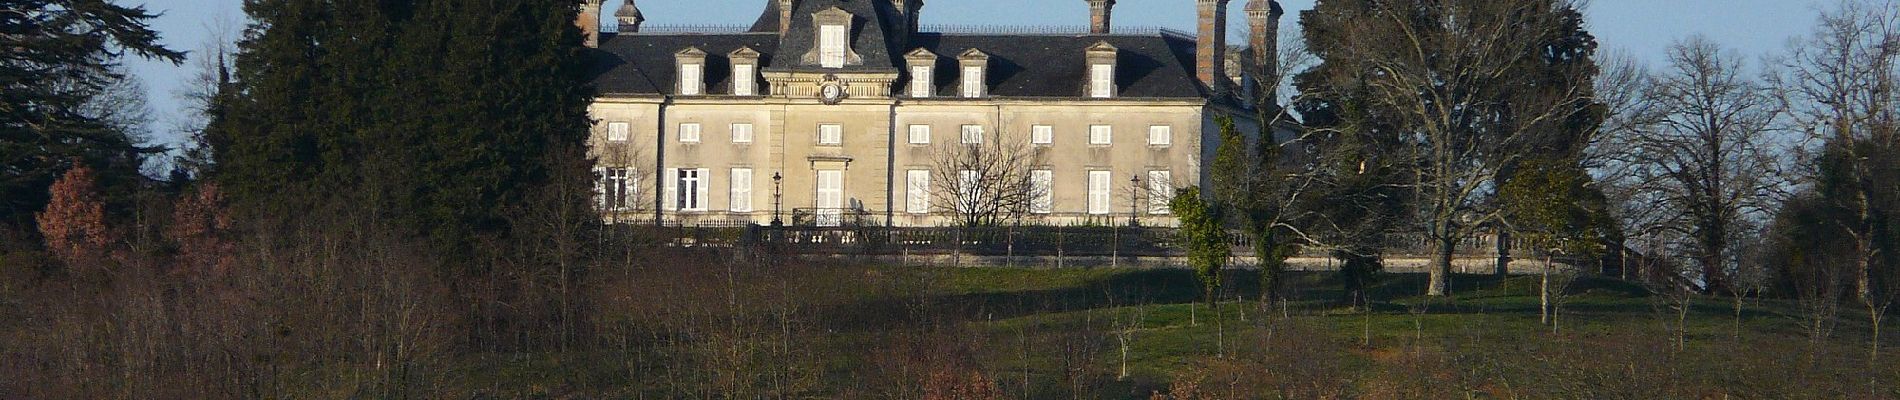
x=778 y=194
x=1134 y=204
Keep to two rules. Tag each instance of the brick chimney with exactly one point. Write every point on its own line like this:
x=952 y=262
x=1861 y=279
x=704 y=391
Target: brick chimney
x=784 y=16
x=629 y=17
x=1210 y=55
x=589 y=22
x=1263 y=16
x=1100 y=12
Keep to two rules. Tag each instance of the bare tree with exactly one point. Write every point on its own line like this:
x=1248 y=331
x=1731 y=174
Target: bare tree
x=987 y=183
x=1466 y=87
x=1708 y=161
x=1842 y=86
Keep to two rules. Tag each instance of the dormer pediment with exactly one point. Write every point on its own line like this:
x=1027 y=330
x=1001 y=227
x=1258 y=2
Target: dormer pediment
x=973 y=55
x=744 y=52
x=1102 y=46
x=689 y=52
x=920 y=54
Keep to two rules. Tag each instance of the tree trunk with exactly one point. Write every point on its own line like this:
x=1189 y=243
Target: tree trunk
x=1504 y=254
x=1543 y=309
x=1441 y=269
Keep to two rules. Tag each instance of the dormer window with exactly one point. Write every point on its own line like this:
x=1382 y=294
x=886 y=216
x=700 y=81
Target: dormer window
x=1101 y=74
x=973 y=63
x=745 y=72
x=692 y=71
x=832 y=46
x=922 y=80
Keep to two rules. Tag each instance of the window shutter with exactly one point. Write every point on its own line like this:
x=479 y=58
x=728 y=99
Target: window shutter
x=917 y=200
x=973 y=82
x=1042 y=182
x=690 y=80
x=1042 y=134
x=921 y=85
x=1102 y=81
x=1160 y=191
x=741 y=190
x=670 y=199
x=1099 y=182
x=832 y=43
x=600 y=192
x=743 y=80
x=700 y=195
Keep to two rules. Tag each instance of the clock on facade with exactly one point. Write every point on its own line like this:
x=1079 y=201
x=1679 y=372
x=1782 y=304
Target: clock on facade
x=831 y=89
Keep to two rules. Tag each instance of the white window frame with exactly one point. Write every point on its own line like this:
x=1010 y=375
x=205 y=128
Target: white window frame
x=1160 y=191
x=917 y=191
x=691 y=132
x=741 y=191
x=1102 y=81
x=692 y=79
x=972 y=82
x=1042 y=135
x=1042 y=183
x=831 y=45
x=1101 y=135
x=616 y=189
x=686 y=189
x=1160 y=135
x=919 y=134
x=745 y=81
x=1101 y=192
x=830 y=134
x=921 y=85
x=970 y=134
x=742 y=132
x=619 y=132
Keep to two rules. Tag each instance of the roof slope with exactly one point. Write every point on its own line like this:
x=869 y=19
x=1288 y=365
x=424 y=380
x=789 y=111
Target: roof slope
x=1148 y=66
x=644 y=64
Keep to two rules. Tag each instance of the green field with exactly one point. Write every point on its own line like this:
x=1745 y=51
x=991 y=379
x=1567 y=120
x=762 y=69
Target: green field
x=891 y=332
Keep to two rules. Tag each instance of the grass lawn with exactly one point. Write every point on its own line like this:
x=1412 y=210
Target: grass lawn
x=889 y=332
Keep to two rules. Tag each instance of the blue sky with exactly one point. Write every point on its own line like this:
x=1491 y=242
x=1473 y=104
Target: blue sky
x=1644 y=28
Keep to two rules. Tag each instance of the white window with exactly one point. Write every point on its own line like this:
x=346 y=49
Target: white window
x=921 y=85
x=972 y=134
x=831 y=134
x=917 y=197
x=1099 y=189
x=616 y=189
x=1102 y=81
x=742 y=133
x=687 y=190
x=689 y=133
x=618 y=132
x=1160 y=135
x=1042 y=191
x=969 y=190
x=831 y=42
x=691 y=80
x=741 y=190
x=1101 y=135
x=745 y=81
x=920 y=134
x=972 y=82
x=1042 y=134
x=1160 y=191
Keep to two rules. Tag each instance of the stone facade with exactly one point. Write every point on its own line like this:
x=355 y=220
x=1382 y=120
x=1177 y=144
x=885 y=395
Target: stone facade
x=693 y=128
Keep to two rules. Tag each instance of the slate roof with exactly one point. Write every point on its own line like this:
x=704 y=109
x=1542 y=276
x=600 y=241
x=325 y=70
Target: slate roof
x=1159 y=65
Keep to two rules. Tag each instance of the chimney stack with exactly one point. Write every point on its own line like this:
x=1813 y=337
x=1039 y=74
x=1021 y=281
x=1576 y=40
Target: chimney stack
x=589 y=22
x=1100 y=12
x=1263 y=16
x=1211 y=48
x=784 y=16
x=629 y=17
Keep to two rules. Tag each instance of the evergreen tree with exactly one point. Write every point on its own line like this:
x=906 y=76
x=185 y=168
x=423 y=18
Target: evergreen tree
x=438 y=115
x=61 y=57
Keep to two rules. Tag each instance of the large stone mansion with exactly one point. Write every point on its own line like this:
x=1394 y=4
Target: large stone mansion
x=829 y=112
